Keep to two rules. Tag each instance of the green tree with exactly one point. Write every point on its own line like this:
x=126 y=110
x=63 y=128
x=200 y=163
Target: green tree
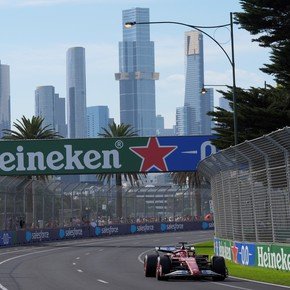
x=269 y=21
x=30 y=129
x=121 y=130
x=259 y=111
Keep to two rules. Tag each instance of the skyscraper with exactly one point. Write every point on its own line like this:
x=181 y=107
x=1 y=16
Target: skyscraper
x=185 y=117
x=49 y=106
x=76 y=92
x=60 y=121
x=5 y=113
x=97 y=118
x=194 y=81
x=159 y=124
x=44 y=105
x=137 y=76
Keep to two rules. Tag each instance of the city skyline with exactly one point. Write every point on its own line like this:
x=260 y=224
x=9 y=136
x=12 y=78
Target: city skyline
x=35 y=48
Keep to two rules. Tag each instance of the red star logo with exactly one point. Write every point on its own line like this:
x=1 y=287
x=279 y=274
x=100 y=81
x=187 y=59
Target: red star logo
x=235 y=253
x=153 y=155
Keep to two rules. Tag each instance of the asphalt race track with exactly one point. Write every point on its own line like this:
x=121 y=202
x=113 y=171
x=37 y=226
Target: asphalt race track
x=113 y=263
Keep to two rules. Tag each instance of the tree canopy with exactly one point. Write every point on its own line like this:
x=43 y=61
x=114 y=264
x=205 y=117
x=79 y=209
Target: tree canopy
x=269 y=21
x=30 y=129
x=260 y=110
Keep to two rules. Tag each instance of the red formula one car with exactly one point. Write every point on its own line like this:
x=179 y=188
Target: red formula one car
x=182 y=262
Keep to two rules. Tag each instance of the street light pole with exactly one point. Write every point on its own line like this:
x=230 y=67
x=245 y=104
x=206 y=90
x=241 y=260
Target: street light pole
x=234 y=82
x=230 y=59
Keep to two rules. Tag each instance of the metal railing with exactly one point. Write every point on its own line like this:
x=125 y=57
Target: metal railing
x=27 y=203
x=250 y=186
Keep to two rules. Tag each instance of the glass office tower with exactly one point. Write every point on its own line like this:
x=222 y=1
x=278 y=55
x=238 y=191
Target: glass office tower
x=5 y=111
x=51 y=108
x=97 y=119
x=136 y=76
x=45 y=106
x=76 y=92
x=194 y=81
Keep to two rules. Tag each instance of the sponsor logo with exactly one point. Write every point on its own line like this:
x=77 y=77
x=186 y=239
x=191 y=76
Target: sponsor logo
x=106 y=230
x=61 y=233
x=68 y=159
x=207 y=225
x=70 y=233
x=245 y=254
x=98 y=231
x=133 y=229
x=216 y=246
x=235 y=253
x=5 y=239
x=224 y=249
x=276 y=257
x=153 y=155
x=36 y=236
x=142 y=228
x=171 y=227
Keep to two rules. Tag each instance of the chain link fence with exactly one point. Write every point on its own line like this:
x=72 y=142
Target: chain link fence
x=250 y=189
x=27 y=203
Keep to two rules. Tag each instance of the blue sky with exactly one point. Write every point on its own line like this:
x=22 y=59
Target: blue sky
x=35 y=35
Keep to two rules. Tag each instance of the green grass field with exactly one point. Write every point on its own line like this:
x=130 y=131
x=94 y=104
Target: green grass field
x=252 y=273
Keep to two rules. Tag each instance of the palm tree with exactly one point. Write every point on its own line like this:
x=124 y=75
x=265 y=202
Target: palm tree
x=121 y=130
x=192 y=180
x=31 y=129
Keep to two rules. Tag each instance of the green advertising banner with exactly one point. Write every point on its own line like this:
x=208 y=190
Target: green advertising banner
x=223 y=248
x=273 y=256
x=103 y=155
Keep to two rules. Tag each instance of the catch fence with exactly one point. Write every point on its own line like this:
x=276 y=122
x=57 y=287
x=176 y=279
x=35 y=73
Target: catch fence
x=250 y=186
x=28 y=203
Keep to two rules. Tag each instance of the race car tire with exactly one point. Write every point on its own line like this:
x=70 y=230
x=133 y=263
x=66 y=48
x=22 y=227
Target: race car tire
x=218 y=265
x=150 y=263
x=163 y=267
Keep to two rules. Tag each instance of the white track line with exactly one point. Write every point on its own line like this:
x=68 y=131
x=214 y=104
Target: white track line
x=231 y=286
x=265 y=283
x=103 y=281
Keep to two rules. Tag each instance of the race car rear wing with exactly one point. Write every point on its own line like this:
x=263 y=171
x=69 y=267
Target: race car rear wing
x=166 y=249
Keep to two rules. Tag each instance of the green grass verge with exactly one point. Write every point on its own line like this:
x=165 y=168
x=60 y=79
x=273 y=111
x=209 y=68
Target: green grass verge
x=247 y=272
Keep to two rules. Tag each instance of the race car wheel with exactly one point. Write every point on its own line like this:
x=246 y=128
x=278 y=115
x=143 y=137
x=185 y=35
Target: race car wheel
x=218 y=265
x=163 y=267
x=150 y=263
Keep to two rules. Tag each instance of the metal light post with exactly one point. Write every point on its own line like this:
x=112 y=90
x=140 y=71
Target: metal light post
x=230 y=59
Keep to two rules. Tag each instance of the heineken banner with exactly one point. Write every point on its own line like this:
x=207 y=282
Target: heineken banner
x=103 y=155
x=272 y=256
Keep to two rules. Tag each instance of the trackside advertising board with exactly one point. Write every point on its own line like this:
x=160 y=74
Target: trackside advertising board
x=31 y=236
x=271 y=256
x=103 y=155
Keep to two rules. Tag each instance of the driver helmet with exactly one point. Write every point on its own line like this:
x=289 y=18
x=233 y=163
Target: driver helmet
x=191 y=251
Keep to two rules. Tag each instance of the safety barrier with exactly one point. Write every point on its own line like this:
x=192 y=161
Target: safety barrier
x=272 y=256
x=250 y=186
x=25 y=237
